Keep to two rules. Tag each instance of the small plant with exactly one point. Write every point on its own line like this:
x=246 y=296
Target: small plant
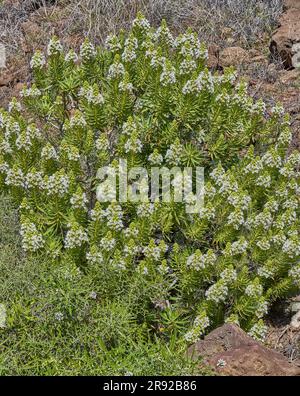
x=148 y=97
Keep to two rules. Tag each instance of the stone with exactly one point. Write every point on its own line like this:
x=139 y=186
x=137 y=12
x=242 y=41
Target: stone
x=260 y=59
x=253 y=53
x=296 y=55
x=6 y=78
x=233 y=56
x=291 y=4
x=287 y=77
x=32 y=34
x=2 y=56
x=295 y=322
x=295 y=306
x=226 y=32
x=213 y=57
x=230 y=351
x=285 y=41
x=4 y=95
x=13 y=74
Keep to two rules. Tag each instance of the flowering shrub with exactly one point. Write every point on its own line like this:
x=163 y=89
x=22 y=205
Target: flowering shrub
x=148 y=97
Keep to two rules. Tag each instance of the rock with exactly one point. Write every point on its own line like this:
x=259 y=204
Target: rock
x=13 y=75
x=256 y=56
x=295 y=306
x=6 y=78
x=30 y=28
x=296 y=55
x=291 y=4
x=2 y=56
x=226 y=32
x=213 y=57
x=253 y=53
x=230 y=351
x=32 y=36
x=18 y=88
x=4 y=95
x=295 y=322
x=288 y=76
x=285 y=41
x=233 y=56
x=260 y=59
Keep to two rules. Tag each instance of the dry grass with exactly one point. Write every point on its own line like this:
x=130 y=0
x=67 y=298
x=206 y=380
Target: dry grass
x=246 y=20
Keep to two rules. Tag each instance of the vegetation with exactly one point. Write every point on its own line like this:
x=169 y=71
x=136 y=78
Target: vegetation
x=112 y=284
x=94 y=338
x=247 y=20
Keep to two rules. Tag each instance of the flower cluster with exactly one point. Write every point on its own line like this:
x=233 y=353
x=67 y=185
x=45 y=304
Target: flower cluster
x=79 y=200
x=237 y=247
x=56 y=184
x=116 y=70
x=49 y=153
x=294 y=273
x=149 y=98
x=114 y=215
x=229 y=275
x=108 y=243
x=112 y=42
x=26 y=138
x=133 y=144
x=91 y=94
x=155 y=250
x=31 y=92
x=217 y=292
x=130 y=47
x=168 y=75
x=254 y=290
x=37 y=61
x=76 y=236
x=155 y=158
x=174 y=153
x=54 y=47
x=198 y=261
x=94 y=257
x=258 y=331
x=32 y=240
x=71 y=56
x=201 y=323
x=87 y=51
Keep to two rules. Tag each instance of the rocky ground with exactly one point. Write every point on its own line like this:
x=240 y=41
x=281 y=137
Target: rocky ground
x=272 y=67
x=232 y=352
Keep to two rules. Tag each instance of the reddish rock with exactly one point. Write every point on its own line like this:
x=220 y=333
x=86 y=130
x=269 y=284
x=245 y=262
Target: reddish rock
x=6 y=78
x=289 y=76
x=230 y=351
x=30 y=28
x=33 y=36
x=13 y=74
x=213 y=57
x=261 y=59
x=291 y=4
x=254 y=52
x=233 y=56
x=286 y=39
